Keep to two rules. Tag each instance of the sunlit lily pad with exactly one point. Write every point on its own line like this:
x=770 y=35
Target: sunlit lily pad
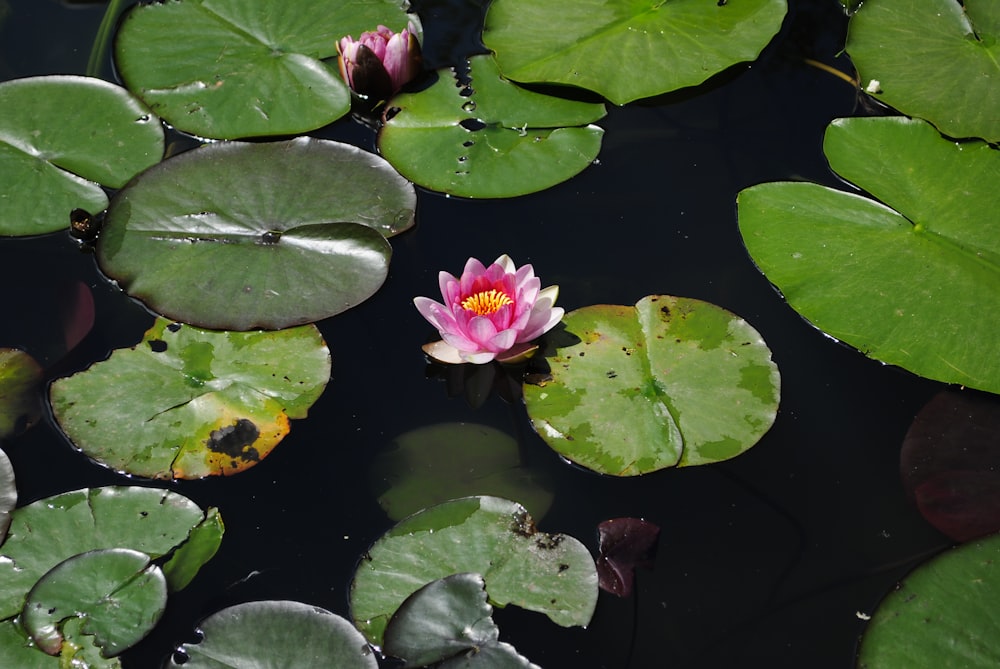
x=553 y=574
x=669 y=382
x=491 y=140
x=200 y=547
x=8 y=494
x=20 y=391
x=46 y=532
x=189 y=403
x=58 y=136
x=245 y=68
x=943 y=615
x=234 y=235
x=627 y=50
x=275 y=634
x=912 y=279
x=117 y=592
x=933 y=59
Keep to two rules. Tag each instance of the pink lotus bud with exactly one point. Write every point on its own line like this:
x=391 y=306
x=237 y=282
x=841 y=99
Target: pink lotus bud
x=490 y=313
x=379 y=63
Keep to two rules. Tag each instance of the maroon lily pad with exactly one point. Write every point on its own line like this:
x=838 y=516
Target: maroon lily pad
x=625 y=543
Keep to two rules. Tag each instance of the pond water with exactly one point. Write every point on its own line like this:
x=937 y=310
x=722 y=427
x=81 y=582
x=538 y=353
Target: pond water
x=769 y=559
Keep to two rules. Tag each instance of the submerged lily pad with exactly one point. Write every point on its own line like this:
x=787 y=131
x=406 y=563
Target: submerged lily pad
x=934 y=59
x=912 y=279
x=20 y=391
x=491 y=139
x=234 y=236
x=8 y=494
x=942 y=615
x=627 y=50
x=245 y=68
x=276 y=634
x=553 y=574
x=189 y=403
x=58 y=136
x=669 y=382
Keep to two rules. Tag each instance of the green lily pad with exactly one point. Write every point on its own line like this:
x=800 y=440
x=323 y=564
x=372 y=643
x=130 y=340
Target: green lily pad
x=48 y=160
x=435 y=463
x=200 y=547
x=8 y=494
x=235 y=236
x=912 y=280
x=117 y=592
x=276 y=634
x=20 y=391
x=245 y=68
x=627 y=50
x=450 y=621
x=553 y=574
x=189 y=403
x=18 y=651
x=46 y=532
x=669 y=382
x=943 y=615
x=498 y=140
x=933 y=59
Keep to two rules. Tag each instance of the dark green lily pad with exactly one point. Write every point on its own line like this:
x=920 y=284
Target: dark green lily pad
x=200 y=547
x=943 y=615
x=59 y=135
x=18 y=651
x=20 y=391
x=46 y=532
x=627 y=50
x=912 y=279
x=235 y=236
x=117 y=592
x=8 y=494
x=245 y=68
x=553 y=574
x=497 y=141
x=669 y=382
x=189 y=403
x=933 y=59
x=276 y=634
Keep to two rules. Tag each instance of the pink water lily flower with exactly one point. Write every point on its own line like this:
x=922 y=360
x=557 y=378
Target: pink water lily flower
x=490 y=313
x=378 y=64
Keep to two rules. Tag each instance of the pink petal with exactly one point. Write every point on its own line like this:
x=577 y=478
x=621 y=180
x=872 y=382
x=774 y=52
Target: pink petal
x=540 y=323
x=481 y=330
x=461 y=342
x=436 y=313
x=450 y=288
x=479 y=358
x=502 y=341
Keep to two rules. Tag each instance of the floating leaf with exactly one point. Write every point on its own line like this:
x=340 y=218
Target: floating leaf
x=117 y=592
x=933 y=59
x=200 y=547
x=497 y=141
x=553 y=574
x=275 y=634
x=245 y=67
x=627 y=50
x=913 y=280
x=20 y=391
x=943 y=615
x=625 y=543
x=17 y=651
x=671 y=381
x=50 y=164
x=436 y=463
x=449 y=618
x=8 y=494
x=44 y=533
x=189 y=403
x=234 y=236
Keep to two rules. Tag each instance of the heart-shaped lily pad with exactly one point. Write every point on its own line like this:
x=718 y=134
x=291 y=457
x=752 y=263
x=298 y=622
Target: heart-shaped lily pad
x=627 y=50
x=912 y=279
x=553 y=574
x=245 y=68
x=234 y=236
x=189 y=403
x=934 y=59
x=58 y=136
x=491 y=139
x=669 y=382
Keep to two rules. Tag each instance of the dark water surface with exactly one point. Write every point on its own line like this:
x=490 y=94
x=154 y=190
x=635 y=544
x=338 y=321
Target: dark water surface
x=765 y=560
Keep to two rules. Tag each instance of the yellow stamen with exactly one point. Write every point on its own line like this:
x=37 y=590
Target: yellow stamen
x=486 y=302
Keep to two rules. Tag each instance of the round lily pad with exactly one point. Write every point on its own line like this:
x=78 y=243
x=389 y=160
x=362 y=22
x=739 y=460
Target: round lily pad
x=189 y=403
x=627 y=50
x=256 y=635
x=669 y=382
x=235 y=236
x=553 y=574
x=489 y=138
x=62 y=136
